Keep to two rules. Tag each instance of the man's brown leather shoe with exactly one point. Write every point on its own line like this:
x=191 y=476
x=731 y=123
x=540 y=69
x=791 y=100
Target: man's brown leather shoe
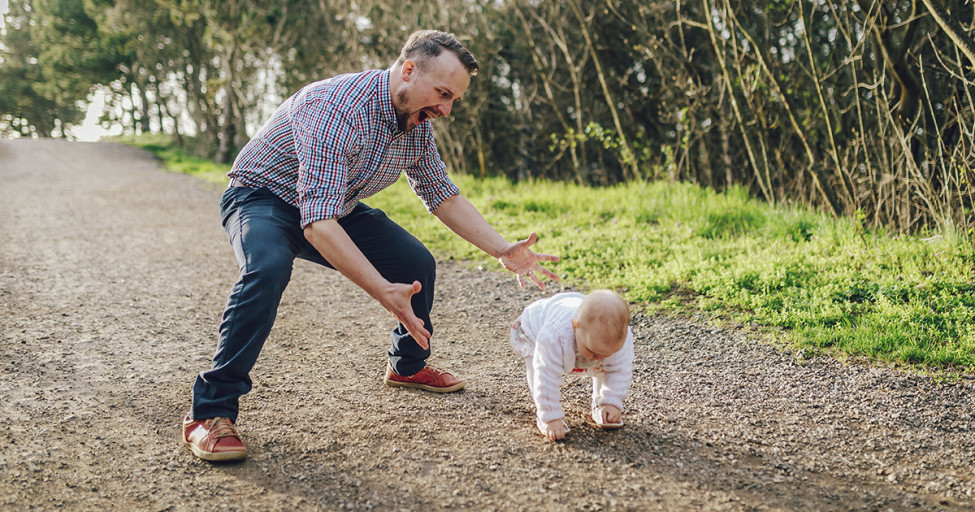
x=429 y=379
x=213 y=439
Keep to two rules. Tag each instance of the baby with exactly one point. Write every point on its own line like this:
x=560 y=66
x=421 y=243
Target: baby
x=572 y=332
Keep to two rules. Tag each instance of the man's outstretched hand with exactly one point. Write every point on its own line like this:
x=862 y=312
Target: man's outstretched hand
x=398 y=301
x=524 y=262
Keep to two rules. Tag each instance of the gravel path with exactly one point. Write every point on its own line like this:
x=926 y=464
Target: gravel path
x=113 y=276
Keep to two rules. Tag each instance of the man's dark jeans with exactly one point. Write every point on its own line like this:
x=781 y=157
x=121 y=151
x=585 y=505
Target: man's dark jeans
x=266 y=236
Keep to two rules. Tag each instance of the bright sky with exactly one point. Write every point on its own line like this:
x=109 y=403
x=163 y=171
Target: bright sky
x=90 y=130
x=3 y=10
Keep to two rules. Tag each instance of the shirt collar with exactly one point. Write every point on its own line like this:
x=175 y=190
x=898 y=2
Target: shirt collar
x=387 y=114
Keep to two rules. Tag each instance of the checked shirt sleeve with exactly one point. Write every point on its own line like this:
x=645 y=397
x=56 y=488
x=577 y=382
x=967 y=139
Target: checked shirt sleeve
x=428 y=178
x=323 y=139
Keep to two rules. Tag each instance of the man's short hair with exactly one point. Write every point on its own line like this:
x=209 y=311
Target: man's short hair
x=424 y=44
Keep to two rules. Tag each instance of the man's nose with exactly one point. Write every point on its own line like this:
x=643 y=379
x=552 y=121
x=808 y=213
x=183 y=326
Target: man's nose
x=444 y=108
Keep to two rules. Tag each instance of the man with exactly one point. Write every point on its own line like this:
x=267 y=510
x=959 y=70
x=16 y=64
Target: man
x=295 y=192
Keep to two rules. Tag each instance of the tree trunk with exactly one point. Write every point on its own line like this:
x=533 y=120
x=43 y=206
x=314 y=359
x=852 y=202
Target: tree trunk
x=228 y=129
x=628 y=157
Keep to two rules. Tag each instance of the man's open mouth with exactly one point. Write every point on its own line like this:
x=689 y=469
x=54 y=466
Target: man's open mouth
x=423 y=115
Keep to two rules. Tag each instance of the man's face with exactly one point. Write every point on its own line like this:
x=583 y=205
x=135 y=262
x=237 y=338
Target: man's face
x=431 y=92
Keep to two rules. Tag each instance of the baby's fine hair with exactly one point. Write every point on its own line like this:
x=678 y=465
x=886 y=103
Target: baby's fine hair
x=608 y=309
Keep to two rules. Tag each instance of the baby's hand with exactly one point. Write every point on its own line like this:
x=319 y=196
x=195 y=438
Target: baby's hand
x=610 y=414
x=607 y=417
x=554 y=430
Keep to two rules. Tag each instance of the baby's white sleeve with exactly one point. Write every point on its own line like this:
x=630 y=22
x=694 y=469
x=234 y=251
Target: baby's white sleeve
x=612 y=386
x=546 y=392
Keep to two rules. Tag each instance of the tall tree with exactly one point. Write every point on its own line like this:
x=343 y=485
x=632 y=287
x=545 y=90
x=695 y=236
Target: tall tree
x=30 y=103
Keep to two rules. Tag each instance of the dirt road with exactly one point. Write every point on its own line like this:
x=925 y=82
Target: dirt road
x=113 y=275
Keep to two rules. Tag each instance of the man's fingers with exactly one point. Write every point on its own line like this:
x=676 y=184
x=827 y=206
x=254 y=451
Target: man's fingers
x=524 y=263
x=416 y=328
x=546 y=257
x=535 y=278
x=421 y=341
x=538 y=282
x=419 y=333
x=403 y=312
x=549 y=274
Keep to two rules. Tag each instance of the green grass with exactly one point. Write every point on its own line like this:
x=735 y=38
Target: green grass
x=825 y=285
x=176 y=159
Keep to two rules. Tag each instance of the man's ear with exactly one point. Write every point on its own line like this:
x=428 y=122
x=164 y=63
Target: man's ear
x=407 y=70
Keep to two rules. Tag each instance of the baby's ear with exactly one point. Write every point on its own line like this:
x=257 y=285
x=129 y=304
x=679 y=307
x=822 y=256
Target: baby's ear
x=575 y=323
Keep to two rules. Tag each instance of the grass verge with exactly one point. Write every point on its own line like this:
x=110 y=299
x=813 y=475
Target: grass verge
x=831 y=285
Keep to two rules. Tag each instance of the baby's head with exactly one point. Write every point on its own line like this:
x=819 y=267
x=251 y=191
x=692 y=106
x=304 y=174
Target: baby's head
x=600 y=324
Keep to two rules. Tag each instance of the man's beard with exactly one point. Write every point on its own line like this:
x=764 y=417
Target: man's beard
x=402 y=116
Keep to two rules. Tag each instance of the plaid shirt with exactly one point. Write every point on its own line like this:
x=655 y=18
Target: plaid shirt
x=334 y=143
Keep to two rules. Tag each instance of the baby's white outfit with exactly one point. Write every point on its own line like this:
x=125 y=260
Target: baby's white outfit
x=544 y=336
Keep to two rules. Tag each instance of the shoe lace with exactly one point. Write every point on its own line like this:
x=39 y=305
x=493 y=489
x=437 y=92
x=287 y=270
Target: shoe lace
x=222 y=427
x=436 y=371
